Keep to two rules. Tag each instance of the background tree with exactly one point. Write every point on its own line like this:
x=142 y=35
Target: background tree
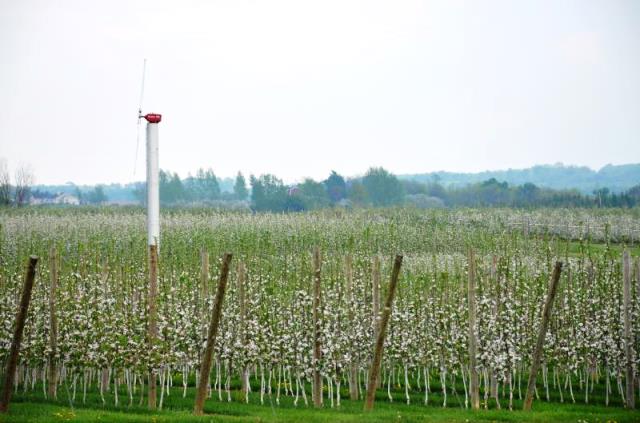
x=96 y=195
x=268 y=193
x=295 y=202
x=601 y=195
x=140 y=193
x=313 y=194
x=383 y=188
x=634 y=195
x=412 y=187
x=494 y=192
x=336 y=187
x=357 y=193
x=80 y=195
x=172 y=190
x=527 y=195
x=435 y=189
x=203 y=187
x=257 y=192
x=240 y=188
x=24 y=180
x=5 y=183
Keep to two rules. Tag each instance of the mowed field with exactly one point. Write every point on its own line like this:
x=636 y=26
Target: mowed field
x=263 y=362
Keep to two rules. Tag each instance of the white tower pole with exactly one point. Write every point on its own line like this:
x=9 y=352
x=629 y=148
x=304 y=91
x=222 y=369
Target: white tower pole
x=153 y=233
x=153 y=187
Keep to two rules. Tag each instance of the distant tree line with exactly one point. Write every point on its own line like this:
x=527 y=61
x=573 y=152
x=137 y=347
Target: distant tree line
x=380 y=188
x=376 y=188
x=201 y=188
x=492 y=193
x=94 y=196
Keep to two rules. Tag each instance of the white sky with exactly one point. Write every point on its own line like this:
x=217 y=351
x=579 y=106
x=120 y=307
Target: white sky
x=298 y=88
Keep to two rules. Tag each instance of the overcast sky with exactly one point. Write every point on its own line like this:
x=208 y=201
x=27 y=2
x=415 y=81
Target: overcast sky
x=298 y=88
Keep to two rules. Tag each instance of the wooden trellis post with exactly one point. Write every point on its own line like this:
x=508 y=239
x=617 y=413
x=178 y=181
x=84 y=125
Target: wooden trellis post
x=53 y=323
x=21 y=318
x=374 y=371
x=537 y=354
x=317 y=347
x=243 y=326
x=205 y=366
x=152 y=330
x=375 y=299
x=353 y=367
x=628 y=335
x=474 y=387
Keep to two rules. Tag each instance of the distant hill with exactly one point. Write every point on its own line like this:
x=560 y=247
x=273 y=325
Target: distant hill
x=617 y=178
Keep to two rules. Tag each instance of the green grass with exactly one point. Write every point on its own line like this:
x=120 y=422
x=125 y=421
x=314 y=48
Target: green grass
x=596 y=249
x=33 y=407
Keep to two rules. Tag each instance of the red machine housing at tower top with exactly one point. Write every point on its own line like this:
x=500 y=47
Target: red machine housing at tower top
x=153 y=117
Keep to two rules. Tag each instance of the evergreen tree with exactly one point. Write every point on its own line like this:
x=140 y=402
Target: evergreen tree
x=240 y=188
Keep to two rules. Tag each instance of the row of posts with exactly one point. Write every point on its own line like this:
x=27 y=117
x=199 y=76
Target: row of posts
x=379 y=333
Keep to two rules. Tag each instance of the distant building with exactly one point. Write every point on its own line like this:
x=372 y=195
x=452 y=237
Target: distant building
x=36 y=201
x=69 y=199
x=59 y=198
